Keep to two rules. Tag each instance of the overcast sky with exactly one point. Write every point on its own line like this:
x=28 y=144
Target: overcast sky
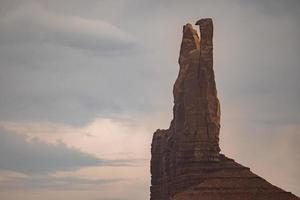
x=84 y=84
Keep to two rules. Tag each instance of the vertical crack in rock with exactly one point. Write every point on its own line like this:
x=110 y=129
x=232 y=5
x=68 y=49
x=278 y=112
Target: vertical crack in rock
x=186 y=163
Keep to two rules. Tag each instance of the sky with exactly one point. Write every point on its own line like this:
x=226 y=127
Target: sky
x=84 y=84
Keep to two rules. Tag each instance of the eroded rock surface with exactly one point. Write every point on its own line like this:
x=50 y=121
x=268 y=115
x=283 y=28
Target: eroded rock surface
x=186 y=163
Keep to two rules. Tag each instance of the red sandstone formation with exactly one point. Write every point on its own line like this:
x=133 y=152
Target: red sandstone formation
x=186 y=163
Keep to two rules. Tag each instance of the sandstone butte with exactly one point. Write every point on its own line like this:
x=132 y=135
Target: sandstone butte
x=186 y=162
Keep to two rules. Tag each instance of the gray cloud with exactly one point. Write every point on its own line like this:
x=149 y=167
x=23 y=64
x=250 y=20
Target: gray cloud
x=32 y=24
x=275 y=8
x=55 y=183
x=73 y=89
x=44 y=64
x=17 y=153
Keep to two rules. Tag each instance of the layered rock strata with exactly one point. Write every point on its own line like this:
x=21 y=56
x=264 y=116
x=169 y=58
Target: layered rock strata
x=186 y=163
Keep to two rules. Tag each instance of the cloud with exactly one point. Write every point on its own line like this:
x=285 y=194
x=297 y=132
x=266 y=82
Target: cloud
x=125 y=140
x=76 y=66
x=50 y=188
x=55 y=183
x=32 y=24
x=34 y=156
x=275 y=8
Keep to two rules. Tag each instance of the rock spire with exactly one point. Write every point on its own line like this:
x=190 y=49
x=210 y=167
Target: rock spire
x=186 y=163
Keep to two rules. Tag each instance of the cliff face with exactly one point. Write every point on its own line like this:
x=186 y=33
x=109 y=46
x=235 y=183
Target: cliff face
x=186 y=163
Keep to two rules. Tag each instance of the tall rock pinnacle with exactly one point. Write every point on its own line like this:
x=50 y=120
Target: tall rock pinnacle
x=196 y=109
x=186 y=163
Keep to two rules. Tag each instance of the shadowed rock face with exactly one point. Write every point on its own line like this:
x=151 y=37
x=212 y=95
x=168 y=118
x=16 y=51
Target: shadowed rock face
x=186 y=163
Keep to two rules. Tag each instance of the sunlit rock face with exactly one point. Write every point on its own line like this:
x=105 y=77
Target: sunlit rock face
x=186 y=163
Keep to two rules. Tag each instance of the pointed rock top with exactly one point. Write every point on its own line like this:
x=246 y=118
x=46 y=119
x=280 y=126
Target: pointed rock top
x=204 y=20
x=206 y=29
x=190 y=41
